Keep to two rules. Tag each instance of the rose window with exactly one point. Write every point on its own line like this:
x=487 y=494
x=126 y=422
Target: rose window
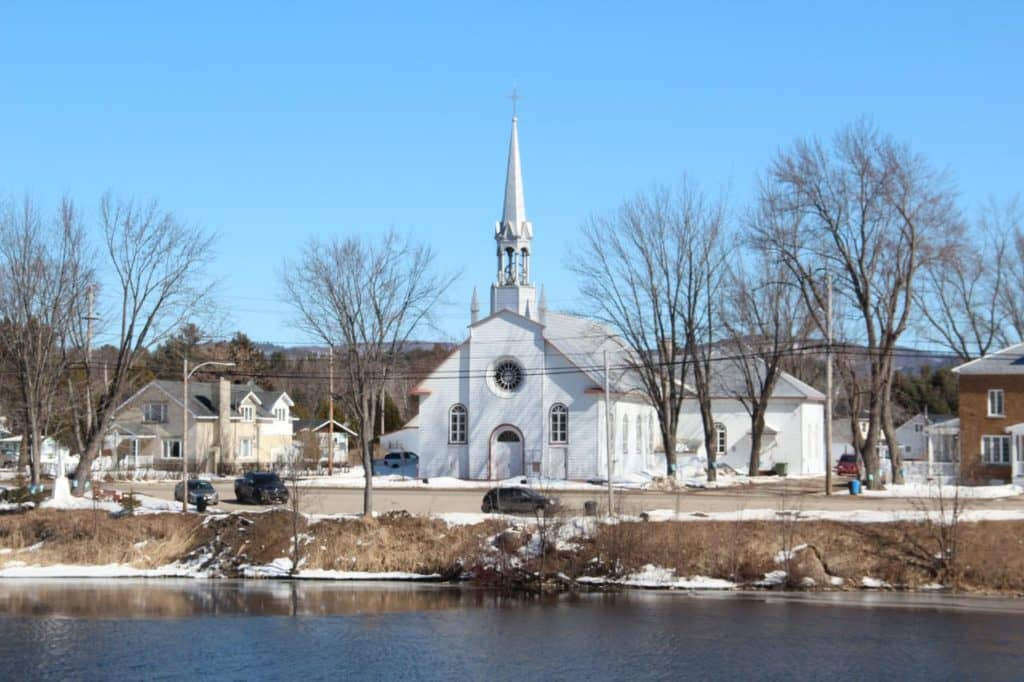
x=508 y=375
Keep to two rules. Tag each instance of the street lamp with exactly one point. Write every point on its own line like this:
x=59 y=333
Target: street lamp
x=184 y=424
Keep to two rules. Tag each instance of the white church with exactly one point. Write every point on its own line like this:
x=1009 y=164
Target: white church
x=524 y=394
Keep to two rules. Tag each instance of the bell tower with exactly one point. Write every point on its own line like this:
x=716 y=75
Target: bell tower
x=513 y=288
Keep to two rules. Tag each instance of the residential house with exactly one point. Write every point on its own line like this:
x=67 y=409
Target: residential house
x=913 y=435
x=991 y=424
x=231 y=427
x=317 y=432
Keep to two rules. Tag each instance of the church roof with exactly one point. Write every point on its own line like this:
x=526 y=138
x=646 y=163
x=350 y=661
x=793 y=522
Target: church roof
x=583 y=342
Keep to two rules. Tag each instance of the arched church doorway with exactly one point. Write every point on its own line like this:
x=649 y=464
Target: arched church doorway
x=507 y=452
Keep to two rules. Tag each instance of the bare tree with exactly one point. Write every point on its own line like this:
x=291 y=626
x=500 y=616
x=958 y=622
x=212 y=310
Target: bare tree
x=766 y=323
x=969 y=300
x=872 y=212
x=651 y=269
x=366 y=300
x=157 y=266
x=44 y=275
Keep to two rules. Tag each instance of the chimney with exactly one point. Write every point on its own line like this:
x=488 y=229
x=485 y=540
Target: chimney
x=224 y=422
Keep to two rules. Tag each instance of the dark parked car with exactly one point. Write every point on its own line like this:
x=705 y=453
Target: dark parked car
x=516 y=500
x=847 y=465
x=197 y=490
x=398 y=464
x=260 y=487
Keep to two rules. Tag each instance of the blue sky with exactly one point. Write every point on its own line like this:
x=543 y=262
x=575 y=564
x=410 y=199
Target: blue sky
x=268 y=123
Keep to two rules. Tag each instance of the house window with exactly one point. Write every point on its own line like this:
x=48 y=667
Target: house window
x=995 y=449
x=457 y=424
x=281 y=414
x=248 y=413
x=245 y=448
x=625 y=434
x=171 y=449
x=155 y=413
x=918 y=428
x=721 y=438
x=995 y=403
x=559 y=423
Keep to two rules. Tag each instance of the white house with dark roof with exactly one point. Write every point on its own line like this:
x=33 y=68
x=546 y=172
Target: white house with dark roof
x=524 y=393
x=231 y=427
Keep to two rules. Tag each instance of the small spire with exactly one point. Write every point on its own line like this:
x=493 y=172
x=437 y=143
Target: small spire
x=527 y=312
x=474 y=308
x=543 y=300
x=513 y=214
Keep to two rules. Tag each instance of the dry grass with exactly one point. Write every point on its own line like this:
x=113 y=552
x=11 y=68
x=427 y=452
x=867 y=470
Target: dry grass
x=397 y=543
x=86 y=537
x=991 y=554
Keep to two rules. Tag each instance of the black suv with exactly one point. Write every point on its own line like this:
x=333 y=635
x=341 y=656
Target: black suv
x=516 y=500
x=261 y=487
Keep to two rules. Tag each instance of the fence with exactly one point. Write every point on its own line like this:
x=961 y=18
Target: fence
x=946 y=473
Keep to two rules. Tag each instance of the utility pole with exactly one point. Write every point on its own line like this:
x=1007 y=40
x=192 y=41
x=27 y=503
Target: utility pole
x=608 y=432
x=184 y=436
x=828 y=384
x=90 y=295
x=383 y=377
x=330 y=410
x=184 y=421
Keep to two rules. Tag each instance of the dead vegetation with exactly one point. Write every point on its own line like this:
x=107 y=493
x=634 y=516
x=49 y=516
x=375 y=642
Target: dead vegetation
x=989 y=556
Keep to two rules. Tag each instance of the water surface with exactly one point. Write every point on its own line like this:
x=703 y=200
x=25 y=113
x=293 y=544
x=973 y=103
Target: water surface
x=313 y=631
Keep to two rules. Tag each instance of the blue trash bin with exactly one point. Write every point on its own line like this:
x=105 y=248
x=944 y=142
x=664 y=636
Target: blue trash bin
x=855 y=487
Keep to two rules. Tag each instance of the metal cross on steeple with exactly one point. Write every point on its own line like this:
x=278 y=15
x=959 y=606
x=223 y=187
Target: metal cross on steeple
x=515 y=97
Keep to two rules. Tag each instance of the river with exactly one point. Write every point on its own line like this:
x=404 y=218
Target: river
x=230 y=630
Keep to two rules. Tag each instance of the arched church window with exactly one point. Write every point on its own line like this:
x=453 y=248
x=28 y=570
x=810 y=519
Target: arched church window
x=559 y=423
x=637 y=438
x=457 y=424
x=721 y=438
x=508 y=436
x=625 y=434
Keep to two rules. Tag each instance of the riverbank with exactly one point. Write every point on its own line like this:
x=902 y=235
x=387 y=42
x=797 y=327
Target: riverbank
x=520 y=553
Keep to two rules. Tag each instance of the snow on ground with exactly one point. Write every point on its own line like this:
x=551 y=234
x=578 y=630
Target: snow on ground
x=651 y=576
x=772 y=579
x=354 y=479
x=874 y=583
x=279 y=568
x=783 y=556
x=849 y=516
x=19 y=569
x=947 y=492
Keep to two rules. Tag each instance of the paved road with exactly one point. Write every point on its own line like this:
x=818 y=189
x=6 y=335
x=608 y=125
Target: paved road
x=801 y=494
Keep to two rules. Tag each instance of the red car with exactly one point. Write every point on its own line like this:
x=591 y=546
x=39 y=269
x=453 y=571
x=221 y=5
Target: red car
x=847 y=465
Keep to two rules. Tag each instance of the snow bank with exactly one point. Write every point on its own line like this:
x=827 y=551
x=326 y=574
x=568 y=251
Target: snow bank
x=847 y=516
x=948 y=492
x=656 y=577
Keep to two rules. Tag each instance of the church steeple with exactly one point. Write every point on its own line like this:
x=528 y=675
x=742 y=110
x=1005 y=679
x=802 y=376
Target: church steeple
x=512 y=288
x=513 y=214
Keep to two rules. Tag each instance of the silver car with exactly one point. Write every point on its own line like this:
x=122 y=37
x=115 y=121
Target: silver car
x=197 y=489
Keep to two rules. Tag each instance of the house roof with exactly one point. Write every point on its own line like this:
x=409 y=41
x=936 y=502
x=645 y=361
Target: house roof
x=1009 y=360
x=727 y=382
x=928 y=419
x=321 y=425
x=204 y=397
